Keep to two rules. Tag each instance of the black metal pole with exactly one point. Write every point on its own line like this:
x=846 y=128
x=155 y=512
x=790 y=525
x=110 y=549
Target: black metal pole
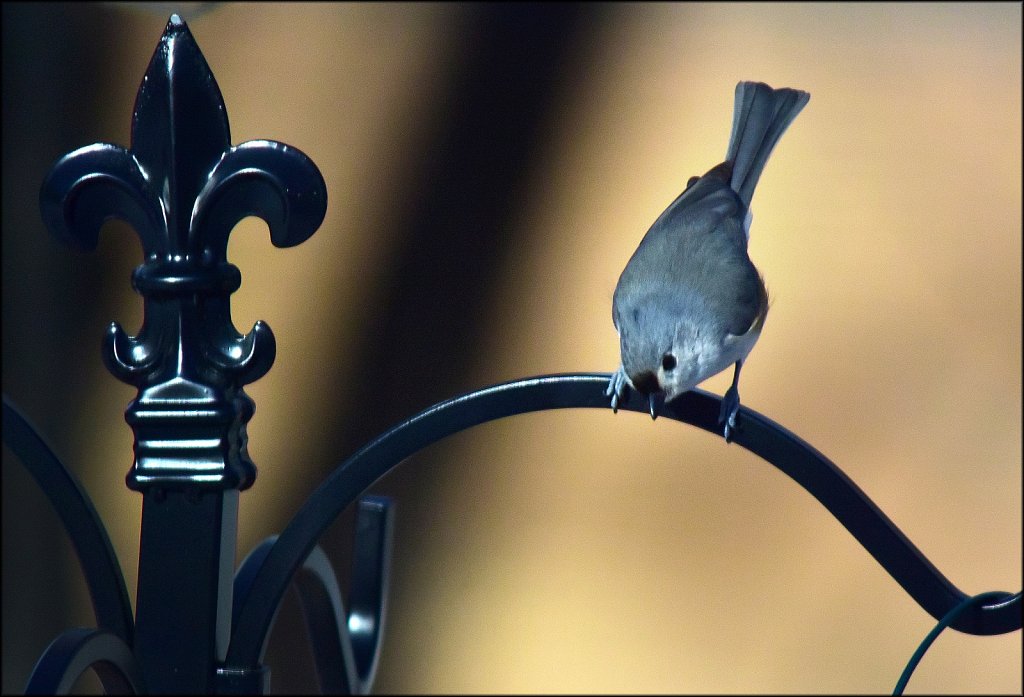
x=182 y=186
x=186 y=563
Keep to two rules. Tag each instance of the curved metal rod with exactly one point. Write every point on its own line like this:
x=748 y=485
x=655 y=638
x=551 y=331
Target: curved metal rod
x=755 y=432
x=74 y=652
x=346 y=647
x=371 y=577
x=328 y=628
x=81 y=522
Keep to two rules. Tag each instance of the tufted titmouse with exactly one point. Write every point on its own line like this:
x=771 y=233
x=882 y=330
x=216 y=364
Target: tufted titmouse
x=690 y=303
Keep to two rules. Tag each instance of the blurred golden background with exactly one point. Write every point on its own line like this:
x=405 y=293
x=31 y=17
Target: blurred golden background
x=490 y=169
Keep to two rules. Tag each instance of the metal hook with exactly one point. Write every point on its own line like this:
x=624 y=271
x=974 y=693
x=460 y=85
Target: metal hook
x=346 y=646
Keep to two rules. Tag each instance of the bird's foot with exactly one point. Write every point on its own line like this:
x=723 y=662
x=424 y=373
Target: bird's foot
x=730 y=408
x=618 y=388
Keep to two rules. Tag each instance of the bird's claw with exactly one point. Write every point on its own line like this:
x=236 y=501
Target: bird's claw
x=617 y=388
x=727 y=416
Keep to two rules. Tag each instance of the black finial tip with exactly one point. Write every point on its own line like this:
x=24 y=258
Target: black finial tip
x=176 y=21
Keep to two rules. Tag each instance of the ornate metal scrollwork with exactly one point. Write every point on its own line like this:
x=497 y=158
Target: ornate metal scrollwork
x=88 y=535
x=77 y=650
x=183 y=187
x=346 y=645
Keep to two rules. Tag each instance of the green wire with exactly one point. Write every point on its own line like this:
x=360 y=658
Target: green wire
x=948 y=619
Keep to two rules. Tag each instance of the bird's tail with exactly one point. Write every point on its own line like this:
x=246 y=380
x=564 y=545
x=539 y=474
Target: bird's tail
x=760 y=117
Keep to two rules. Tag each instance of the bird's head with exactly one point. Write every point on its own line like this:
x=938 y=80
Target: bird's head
x=664 y=354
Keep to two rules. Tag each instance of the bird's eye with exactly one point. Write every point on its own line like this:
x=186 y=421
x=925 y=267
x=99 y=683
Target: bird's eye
x=668 y=362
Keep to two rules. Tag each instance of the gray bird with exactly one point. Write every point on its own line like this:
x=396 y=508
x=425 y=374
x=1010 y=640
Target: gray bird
x=690 y=303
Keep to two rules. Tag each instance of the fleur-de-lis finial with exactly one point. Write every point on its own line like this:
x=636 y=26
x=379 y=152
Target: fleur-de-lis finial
x=183 y=187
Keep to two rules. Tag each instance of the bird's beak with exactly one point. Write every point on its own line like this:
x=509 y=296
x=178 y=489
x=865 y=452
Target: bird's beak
x=647 y=383
x=652 y=400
